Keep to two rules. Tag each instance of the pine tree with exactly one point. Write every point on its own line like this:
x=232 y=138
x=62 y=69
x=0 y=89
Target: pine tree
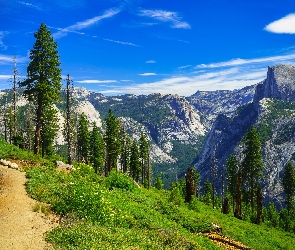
x=208 y=192
x=83 y=139
x=135 y=166
x=144 y=156
x=49 y=129
x=252 y=165
x=112 y=142
x=288 y=182
x=43 y=83
x=232 y=167
x=125 y=143
x=159 y=182
x=189 y=184
x=97 y=150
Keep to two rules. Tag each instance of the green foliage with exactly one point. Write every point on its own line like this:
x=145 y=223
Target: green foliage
x=9 y=151
x=112 y=142
x=135 y=166
x=49 y=128
x=97 y=150
x=176 y=197
x=119 y=180
x=194 y=204
x=271 y=215
x=252 y=165
x=159 y=182
x=150 y=109
x=288 y=183
x=43 y=84
x=208 y=193
x=96 y=217
x=232 y=168
x=83 y=139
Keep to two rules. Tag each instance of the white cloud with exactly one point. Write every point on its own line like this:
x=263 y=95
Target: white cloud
x=8 y=59
x=239 y=61
x=5 y=77
x=124 y=43
x=150 y=61
x=284 y=25
x=228 y=79
x=185 y=66
x=29 y=5
x=96 y=81
x=2 y=35
x=166 y=16
x=85 y=24
x=147 y=74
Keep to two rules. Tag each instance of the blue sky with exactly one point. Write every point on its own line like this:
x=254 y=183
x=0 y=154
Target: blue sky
x=142 y=47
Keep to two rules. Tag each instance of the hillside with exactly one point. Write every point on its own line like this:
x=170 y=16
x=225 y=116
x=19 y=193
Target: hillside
x=176 y=127
x=109 y=213
x=272 y=112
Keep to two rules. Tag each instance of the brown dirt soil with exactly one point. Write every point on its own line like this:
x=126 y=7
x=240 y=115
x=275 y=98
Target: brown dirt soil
x=20 y=227
x=226 y=242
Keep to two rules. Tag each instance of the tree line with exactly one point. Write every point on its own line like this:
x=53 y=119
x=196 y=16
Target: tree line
x=242 y=188
x=111 y=150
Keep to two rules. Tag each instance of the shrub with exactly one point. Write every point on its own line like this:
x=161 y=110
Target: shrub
x=119 y=180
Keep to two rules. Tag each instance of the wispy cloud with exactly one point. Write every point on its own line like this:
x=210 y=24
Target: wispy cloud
x=187 y=85
x=150 y=61
x=5 y=77
x=85 y=24
x=8 y=59
x=2 y=35
x=239 y=61
x=30 y=5
x=185 y=66
x=284 y=25
x=96 y=81
x=228 y=75
x=148 y=74
x=166 y=16
x=120 y=42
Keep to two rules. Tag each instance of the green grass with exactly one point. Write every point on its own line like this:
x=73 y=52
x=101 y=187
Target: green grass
x=113 y=213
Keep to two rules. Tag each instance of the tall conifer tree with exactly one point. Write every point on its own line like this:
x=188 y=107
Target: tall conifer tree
x=43 y=83
x=112 y=142
x=83 y=139
x=252 y=164
x=49 y=129
x=144 y=156
x=97 y=150
x=288 y=182
x=135 y=165
x=232 y=167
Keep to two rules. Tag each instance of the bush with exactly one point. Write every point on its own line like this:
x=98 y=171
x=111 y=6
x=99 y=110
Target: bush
x=175 y=196
x=119 y=180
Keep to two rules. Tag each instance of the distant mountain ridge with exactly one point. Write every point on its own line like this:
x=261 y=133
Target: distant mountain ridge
x=177 y=126
x=273 y=113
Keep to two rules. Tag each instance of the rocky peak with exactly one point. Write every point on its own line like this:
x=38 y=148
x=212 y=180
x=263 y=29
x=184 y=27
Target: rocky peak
x=280 y=84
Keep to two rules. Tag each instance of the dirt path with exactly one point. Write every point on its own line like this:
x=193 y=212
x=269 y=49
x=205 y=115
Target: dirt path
x=20 y=227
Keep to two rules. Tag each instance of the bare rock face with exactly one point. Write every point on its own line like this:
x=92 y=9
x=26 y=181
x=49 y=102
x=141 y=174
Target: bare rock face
x=280 y=84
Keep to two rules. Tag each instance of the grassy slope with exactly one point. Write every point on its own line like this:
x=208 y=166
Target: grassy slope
x=112 y=213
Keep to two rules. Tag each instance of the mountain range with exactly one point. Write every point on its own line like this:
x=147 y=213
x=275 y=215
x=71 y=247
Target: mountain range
x=193 y=130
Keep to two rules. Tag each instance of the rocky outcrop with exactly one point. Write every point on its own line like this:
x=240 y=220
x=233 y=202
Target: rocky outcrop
x=280 y=84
